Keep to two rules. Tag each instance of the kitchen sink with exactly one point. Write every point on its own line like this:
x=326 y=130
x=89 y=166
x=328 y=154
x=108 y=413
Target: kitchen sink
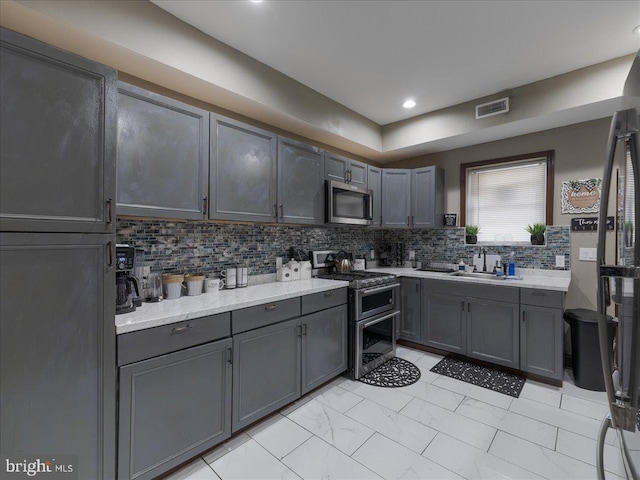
x=483 y=275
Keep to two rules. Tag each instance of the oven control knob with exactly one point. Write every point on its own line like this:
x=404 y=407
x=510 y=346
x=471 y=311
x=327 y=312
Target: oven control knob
x=121 y=266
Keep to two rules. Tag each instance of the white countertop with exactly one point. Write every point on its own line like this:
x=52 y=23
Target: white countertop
x=185 y=308
x=531 y=278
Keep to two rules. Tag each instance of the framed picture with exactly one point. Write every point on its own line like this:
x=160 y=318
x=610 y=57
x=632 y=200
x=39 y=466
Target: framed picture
x=450 y=220
x=581 y=196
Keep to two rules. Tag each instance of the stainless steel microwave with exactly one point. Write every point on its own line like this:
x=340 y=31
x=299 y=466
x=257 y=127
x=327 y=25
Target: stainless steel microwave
x=348 y=204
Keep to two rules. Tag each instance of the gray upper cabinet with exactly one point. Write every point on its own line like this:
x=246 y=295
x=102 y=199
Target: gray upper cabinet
x=242 y=173
x=374 y=180
x=410 y=327
x=396 y=196
x=163 y=156
x=57 y=351
x=173 y=407
x=324 y=346
x=345 y=170
x=427 y=197
x=300 y=183
x=57 y=139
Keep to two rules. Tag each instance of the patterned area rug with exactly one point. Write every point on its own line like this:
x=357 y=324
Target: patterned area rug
x=495 y=380
x=395 y=372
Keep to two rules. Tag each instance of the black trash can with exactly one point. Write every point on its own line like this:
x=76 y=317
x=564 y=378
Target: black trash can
x=585 y=347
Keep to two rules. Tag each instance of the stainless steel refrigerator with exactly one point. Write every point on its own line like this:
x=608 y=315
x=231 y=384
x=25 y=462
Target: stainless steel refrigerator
x=619 y=281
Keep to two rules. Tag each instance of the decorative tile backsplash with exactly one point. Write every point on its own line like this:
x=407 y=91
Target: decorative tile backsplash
x=190 y=247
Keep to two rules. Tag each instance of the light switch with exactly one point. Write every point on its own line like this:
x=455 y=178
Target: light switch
x=278 y=262
x=560 y=261
x=412 y=254
x=588 y=254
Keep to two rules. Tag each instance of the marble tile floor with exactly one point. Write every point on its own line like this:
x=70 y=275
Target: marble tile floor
x=438 y=428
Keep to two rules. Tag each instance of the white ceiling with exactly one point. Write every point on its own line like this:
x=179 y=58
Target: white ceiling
x=372 y=55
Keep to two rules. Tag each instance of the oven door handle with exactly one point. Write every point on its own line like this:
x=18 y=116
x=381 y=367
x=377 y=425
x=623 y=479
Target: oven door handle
x=373 y=321
x=382 y=288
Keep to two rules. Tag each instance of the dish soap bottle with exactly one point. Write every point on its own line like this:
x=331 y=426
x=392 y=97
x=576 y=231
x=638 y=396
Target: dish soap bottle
x=512 y=265
x=461 y=265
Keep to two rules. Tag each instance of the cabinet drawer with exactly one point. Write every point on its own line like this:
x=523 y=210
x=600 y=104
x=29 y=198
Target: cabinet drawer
x=265 y=314
x=493 y=292
x=136 y=346
x=541 y=298
x=323 y=300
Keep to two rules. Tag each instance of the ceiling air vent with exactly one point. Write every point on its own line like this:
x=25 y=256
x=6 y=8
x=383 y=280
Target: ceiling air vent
x=492 y=108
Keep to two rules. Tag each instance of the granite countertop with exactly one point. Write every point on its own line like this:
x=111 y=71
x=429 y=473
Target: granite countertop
x=186 y=308
x=531 y=278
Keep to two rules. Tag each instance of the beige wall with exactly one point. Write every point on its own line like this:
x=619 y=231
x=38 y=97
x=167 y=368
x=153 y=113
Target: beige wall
x=580 y=152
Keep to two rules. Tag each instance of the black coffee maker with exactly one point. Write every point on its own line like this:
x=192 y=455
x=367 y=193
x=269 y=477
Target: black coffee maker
x=127 y=287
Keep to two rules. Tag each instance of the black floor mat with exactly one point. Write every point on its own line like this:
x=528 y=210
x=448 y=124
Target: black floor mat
x=395 y=372
x=495 y=380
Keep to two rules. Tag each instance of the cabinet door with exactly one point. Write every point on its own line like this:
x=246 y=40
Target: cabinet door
x=374 y=181
x=266 y=371
x=427 y=197
x=444 y=321
x=493 y=332
x=411 y=316
x=541 y=341
x=324 y=346
x=242 y=181
x=173 y=407
x=335 y=167
x=300 y=183
x=396 y=195
x=358 y=173
x=163 y=155
x=57 y=350
x=57 y=139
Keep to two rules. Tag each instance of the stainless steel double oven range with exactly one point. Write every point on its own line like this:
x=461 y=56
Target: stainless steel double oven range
x=374 y=300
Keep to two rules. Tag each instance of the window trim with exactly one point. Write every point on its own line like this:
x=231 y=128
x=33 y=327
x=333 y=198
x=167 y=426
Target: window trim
x=548 y=155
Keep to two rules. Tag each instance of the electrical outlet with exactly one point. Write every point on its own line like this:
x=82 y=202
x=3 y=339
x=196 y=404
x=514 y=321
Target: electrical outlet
x=278 y=262
x=560 y=261
x=588 y=254
x=146 y=271
x=412 y=255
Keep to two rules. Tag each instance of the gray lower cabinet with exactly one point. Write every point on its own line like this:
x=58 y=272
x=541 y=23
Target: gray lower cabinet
x=427 y=197
x=57 y=139
x=301 y=187
x=266 y=371
x=542 y=332
x=444 y=320
x=324 y=346
x=57 y=350
x=374 y=180
x=493 y=333
x=410 y=325
x=396 y=198
x=345 y=170
x=173 y=407
x=162 y=156
x=242 y=172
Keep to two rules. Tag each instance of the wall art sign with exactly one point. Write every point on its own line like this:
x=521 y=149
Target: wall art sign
x=581 y=196
x=589 y=224
x=450 y=219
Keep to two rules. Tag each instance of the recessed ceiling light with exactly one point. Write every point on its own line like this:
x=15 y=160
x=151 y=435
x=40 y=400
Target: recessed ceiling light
x=256 y=1
x=410 y=103
x=636 y=30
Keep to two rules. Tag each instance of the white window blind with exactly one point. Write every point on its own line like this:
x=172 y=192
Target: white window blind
x=503 y=199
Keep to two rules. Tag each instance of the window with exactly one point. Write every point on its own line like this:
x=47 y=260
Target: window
x=504 y=195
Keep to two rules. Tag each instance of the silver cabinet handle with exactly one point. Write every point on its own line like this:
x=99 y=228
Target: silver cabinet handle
x=275 y=210
x=205 y=203
x=110 y=248
x=177 y=330
x=229 y=356
x=538 y=293
x=109 y=211
x=271 y=307
x=281 y=210
x=328 y=294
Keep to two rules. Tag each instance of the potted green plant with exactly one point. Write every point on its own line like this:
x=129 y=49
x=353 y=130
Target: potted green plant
x=472 y=233
x=537 y=233
x=628 y=234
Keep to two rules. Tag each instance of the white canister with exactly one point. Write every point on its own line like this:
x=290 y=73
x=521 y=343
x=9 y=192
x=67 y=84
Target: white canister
x=194 y=284
x=358 y=264
x=295 y=269
x=283 y=274
x=305 y=269
x=211 y=284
